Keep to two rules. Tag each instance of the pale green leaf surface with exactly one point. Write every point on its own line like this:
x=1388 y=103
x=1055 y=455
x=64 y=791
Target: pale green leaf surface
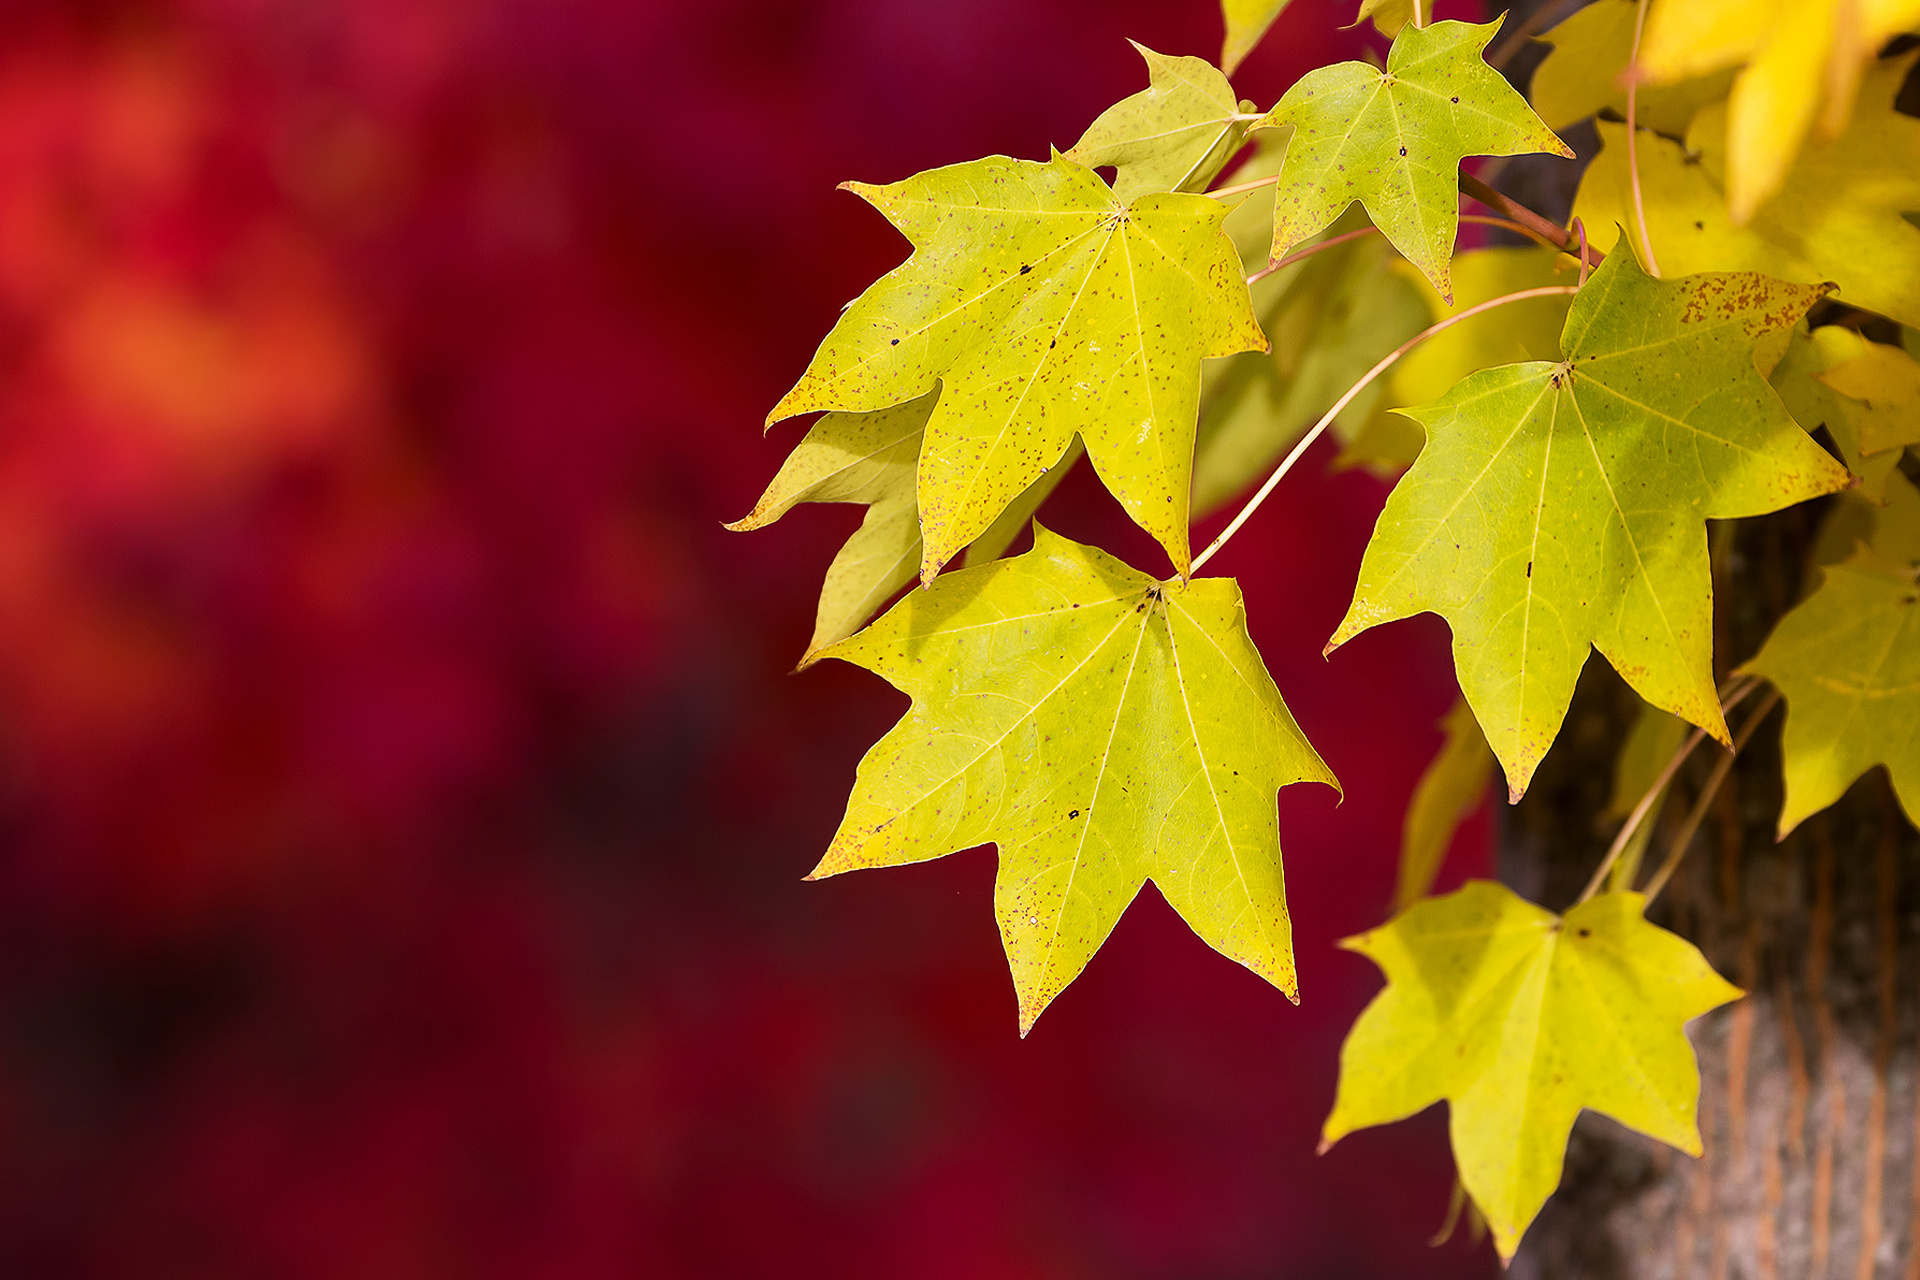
x=1103 y=730
x=1247 y=21
x=1559 y=506
x=1582 y=75
x=1837 y=217
x=1453 y=785
x=870 y=458
x=1174 y=135
x=1393 y=140
x=1648 y=747
x=1889 y=525
x=1814 y=404
x=1847 y=659
x=1518 y=1019
x=1044 y=307
x=1882 y=383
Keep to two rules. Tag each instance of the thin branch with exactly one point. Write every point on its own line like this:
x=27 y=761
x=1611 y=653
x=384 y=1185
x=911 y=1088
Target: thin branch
x=1542 y=228
x=1698 y=813
x=1318 y=246
x=1641 y=811
x=1366 y=379
x=1633 y=159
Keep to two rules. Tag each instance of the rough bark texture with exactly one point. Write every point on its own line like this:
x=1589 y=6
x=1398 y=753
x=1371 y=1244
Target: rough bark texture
x=1809 y=1084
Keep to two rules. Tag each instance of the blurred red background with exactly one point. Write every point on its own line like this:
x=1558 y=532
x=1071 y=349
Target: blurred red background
x=403 y=800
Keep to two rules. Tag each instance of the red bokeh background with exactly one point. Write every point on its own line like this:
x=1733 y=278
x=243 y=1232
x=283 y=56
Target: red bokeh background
x=403 y=797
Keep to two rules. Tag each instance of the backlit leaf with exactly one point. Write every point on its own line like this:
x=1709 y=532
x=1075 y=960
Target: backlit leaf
x=1559 y=506
x=1583 y=74
x=1519 y=1019
x=1174 y=135
x=1393 y=140
x=1389 y=16
x=1837 y=217
x=1848 y=661
x=1453 y=785
x=1796 y=55
x=1043 y=307
x=1101 y=728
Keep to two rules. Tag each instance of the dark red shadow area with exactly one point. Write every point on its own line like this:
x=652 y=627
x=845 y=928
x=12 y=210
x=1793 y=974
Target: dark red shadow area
x=403 y=795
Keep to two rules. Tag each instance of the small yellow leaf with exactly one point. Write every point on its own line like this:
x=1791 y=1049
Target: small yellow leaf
x=1247 y=21
x=1884 y=382
x=1518 y=1019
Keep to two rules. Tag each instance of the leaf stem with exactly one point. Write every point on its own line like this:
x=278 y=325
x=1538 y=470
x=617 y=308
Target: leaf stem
x=1541 y=227
x=1240 y=187
x=1316 y=247
x=1366 y=379
x=1698 y=813
x=1633 y=160
x=1735 y=694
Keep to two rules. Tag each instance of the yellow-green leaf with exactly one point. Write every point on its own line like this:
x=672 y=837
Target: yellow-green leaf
x=1889 y=524
x=1847 y=660
x=1247 y=21
x=1393 y=140
x=1645 y=753
x=1043 y=306
x=1584 y=74
x=1882 y=384
x=1389 y=16
x=869 y=458
x=1795 y=56
x=1174 y=135
x=1838 y=216
x=1814 y=404
x=1103 y=729
x=1451 y=788
x=1560 y=506
x=1519 y=1019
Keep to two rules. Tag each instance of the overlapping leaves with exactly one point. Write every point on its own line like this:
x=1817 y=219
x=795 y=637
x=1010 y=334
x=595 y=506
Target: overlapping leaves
x=1043 y=307
x=1103 y=729
x=1560 y=506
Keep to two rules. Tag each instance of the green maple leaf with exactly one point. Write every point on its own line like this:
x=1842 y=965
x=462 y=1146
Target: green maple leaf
x=1175 y=135
x=1247 y=21
x=870 y=458
x=1101 y=728
x=1043 y=306
x=1839 y=215
x=1518 y=1019
x=1847 y=660
x=1393 y=140
x=1559 y=506
x=1583 y=75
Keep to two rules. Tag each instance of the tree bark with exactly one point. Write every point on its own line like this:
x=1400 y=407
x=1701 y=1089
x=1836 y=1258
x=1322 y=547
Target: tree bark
x=1808 y=1085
